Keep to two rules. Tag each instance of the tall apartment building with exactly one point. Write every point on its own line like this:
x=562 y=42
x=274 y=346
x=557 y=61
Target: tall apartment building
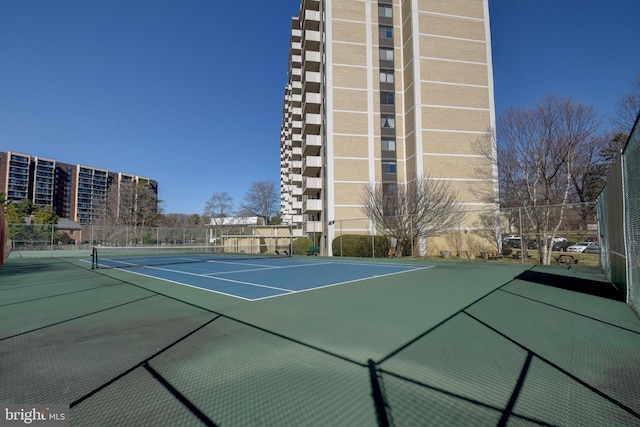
x=382 y=92
x=76 y=192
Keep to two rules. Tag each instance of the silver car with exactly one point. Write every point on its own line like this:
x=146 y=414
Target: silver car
x=582 y=246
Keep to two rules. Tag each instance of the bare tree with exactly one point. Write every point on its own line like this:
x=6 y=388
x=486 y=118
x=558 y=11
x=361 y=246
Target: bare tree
x=219 y=205
x=627 y=109
x=130 y=204
x=262 y=199
x=487 y=226
x=419 y=209
x=544 y=157
x=147 y=205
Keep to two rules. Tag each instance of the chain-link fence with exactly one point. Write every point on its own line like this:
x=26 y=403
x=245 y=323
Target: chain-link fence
x=619 y=220
x=58 y=241
x=531 y=232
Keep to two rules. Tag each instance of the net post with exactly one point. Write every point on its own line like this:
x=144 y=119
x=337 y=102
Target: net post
x=94 y=258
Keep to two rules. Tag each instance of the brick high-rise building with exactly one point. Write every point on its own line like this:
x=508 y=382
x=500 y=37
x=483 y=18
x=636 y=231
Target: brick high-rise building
x=382 y=92
x=76 y=192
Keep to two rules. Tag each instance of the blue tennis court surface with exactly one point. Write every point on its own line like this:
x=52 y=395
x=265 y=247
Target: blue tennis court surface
x=265 y=278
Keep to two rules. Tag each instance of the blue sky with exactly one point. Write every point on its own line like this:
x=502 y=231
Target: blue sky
x=190 y=92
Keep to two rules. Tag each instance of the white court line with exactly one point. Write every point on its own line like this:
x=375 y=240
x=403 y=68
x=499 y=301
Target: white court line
x=186 y=284
x=291 y=291
x=213 y=261
x=262 y=269
x=378 y=264
x=219 y=278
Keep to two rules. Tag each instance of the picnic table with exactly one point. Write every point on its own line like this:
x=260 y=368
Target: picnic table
x=565 y=258
x=518 y=255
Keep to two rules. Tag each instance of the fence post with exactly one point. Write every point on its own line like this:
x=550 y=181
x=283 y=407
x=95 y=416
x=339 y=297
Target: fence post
x=411 y=234
x=341 y=238
x=373 y=231
x=459 y=240
x=522 y=249
x=53 y=230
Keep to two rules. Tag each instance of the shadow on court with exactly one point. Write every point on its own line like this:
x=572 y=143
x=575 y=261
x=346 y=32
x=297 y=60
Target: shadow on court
x=122 y=349
x=574 y=284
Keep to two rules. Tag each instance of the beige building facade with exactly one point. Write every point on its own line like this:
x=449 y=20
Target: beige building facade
x=381 y=92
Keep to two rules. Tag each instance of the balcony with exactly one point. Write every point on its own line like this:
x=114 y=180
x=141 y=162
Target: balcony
x=296 y=166
x=311 y=40
x=312 y=61
x=311 y=145
x=311 y=124
x=311 y=165
x=313 y=227
x=296 y=191
x=312 y=103
x=312 y=98
x=311 y=185
x=312 y=205
x=311 y=15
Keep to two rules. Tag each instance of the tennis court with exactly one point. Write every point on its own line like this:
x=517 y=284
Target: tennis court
x=253 y=278
x=349 y=343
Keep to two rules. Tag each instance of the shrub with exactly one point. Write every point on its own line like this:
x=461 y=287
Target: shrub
x=506 y=251
x=301 y=245
x=359 y=245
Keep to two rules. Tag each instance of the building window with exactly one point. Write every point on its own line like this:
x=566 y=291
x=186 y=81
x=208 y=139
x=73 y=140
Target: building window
x=387 y=98
x=388 y=121
x=385 y=11
x=386 y=76
x=389 y=189
x=388 y=144
x=386 y=54
x=388 y=167
x=386 y=32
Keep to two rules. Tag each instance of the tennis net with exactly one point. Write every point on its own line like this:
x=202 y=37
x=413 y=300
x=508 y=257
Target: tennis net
x=138 y=256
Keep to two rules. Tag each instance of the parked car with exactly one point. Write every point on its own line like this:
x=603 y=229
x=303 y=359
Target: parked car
x=561 y=244
x=593 y=248
x=511 y=241
x=558 y=243
x=582 y=246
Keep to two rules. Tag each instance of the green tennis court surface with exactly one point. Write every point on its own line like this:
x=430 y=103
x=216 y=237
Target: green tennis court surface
x=257 y=278
x=458 y=344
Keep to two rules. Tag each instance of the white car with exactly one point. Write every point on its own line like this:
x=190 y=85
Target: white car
x=580 y=247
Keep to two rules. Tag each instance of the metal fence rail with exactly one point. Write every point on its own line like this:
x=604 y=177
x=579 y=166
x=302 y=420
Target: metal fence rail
x=631 y=186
